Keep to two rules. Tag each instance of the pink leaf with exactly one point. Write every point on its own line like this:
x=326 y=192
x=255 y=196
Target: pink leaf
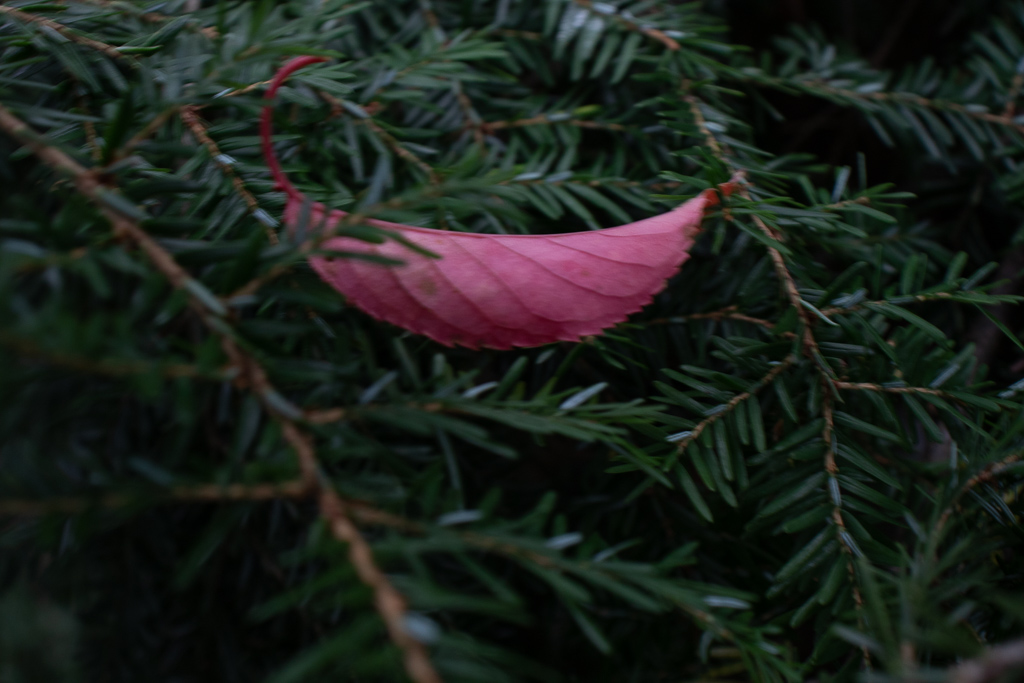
x=499 y=291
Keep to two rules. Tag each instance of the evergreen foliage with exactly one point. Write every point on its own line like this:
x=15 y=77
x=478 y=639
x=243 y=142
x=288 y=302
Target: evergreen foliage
x=801 y=462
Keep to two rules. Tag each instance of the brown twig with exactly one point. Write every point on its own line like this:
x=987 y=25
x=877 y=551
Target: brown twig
x=648 y=31
x=74 y=37
x=513 y=33
x=390 y=140
x=818 y=86
x=917 y=298
x=190 y=117
x=546 y=120
x=881 y=388
x=325 y=416
x=862 y=201
x=95 y=151
x=990 y=472
x=702 y=124
x=252 y=376
x=472 y=118
x=845 y=540
x=396 y=147
x=733 y=402
x=147 y=132
x=812 y=351
x=728 y=313
x=247 y=89
x=1011 y=97
x=148 y=17
x=389 y=602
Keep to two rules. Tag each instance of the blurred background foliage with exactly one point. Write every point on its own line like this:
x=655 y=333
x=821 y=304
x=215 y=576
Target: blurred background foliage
x=801 y=462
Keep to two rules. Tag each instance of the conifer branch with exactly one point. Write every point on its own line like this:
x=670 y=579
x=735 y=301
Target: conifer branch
x=648 y=31
x=813 y=352
x=881 y=388
x=695 y=433
x=990 y=472
x=148 y=131
x=702 y=125
x=1011 y=97
x=150 y=17
x=727 y=313
x=846 y=96
x=388 y=601
x=113 y=373
x=92 y=140
x=470 y=116
x=247 y=89
x=388 y=139
x=515 y=33
x=835 y=494
x=67 y=33
x=190 y=117
x=548 y=120
x=910 y=298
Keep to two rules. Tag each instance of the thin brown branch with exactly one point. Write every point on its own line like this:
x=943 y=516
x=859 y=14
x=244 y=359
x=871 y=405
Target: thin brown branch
x=810 y=345
x=74 y=37
x=388 y=139
x=190 y=118
x=648 y=31
x=990 y=472
x=148 y=17
x=252 y=376
x=326 y=416
x=147 y=132
x=429 y=15
x=863 y=201
x=87 y=183
x=95 y=151
x=472 y=119
x=821 y=87
x=918 y=298
x=247 y=89
x=546 y=120
x=733 y=402
x=881 y=388
x=810 y=349
x=845 y=540
x=1010 y=110
x=389 y=602
x=728 y=313
x=513 y=33
x=401 y=151
x=702 y=124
